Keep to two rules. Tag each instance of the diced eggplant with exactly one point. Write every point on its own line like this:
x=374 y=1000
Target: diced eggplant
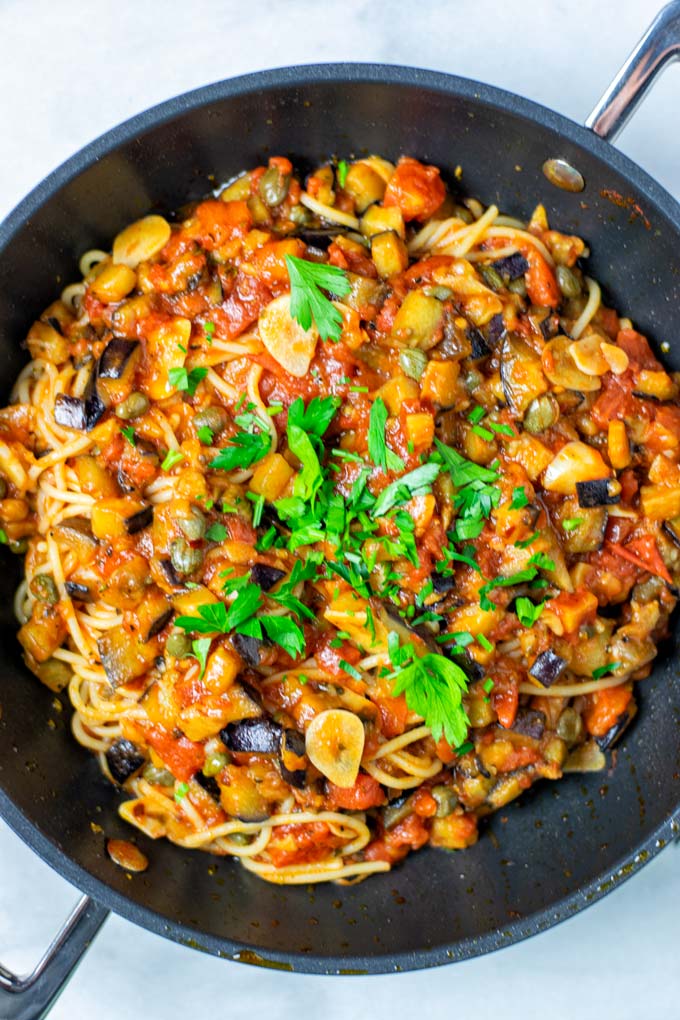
x=80 y=592
x=470 y=666
x=153 y=613
x=613 y=734
x=320 y=237
x=253 y=736
x=550 y=326
x=248 y=648
x=599 y=492
x=530 y=723
x=292 y=755
x=672 y=530
x=139 y=520
x=266 y=576
x=124 y=759
x=547 y=667
x=522 y=375
x=123 y=658
x=495 y=331
x=480 y=347
x=75 y=413
x=209 y=784
x=171 y=575
x=512 y=266
x=76 y=533
x=115 y=358
x=442 y=583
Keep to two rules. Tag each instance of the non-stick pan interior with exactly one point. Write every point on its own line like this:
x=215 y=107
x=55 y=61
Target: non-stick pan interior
x=563 y=844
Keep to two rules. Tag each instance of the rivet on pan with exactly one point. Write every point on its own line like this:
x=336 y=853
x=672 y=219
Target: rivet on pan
x=563 y=175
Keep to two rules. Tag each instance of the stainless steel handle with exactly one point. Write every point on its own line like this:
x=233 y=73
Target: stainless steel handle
x=31 y=997
x=659 y=45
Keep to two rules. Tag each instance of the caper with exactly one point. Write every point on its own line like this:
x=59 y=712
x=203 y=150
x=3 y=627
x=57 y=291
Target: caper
x=463 y=214
x=3 y=487
x=178 y=644
x=183 y=558
x=133 y=406
x=273 y=186
x=214 y=418
x=446 y=800
x=492 y=278
x=473 y=380
x=193 y=527
x=18 y=545
x=518 y=286
x=300 y=215
x=568 y=282
x=541 y=414
x=240 y=838
x=413 y=362
x=44 y=588
x=214 y=763
x=441 y=292
x=157 y=776
x=570 y=726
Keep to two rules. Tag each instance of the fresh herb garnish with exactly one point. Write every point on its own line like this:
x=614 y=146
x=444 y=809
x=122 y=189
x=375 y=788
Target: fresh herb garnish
x=205 y=435
x=527 y=612
x=200 y=648
x=308 y=303
x=341 y=172
x=216 y=532
x=572 y=523
x=416 y=483
x=171 y=458
x=245 y=448
x=604 y=670
x=378 y=450
x=433 y=687
x=186 y=381
x=519 y=498
x=129 y=432
x=181 y=790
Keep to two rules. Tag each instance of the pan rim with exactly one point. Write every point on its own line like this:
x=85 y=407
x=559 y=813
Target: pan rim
x=263 y=81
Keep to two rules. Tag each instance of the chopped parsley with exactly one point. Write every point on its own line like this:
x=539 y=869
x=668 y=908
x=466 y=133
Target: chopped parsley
x=341 y=172
x=171 y=458
x=216 y=532
x=129 y=432
x=244 y=449
x=416 y=483
x=378 y=450
x=572 y=523
x=605 y=670
x=308 y=303
x=186 y=381
x=181 y=790
x=528 y=612
x=205 y=435
x=519 y=498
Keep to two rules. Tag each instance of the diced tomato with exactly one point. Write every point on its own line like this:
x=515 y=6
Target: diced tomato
x=393 y=714
x=240 y=530
x=182 y=756
x=409 y=834
x=301 y=844
x=242 y=307
x=424 y=803
x=329 y=658
x=638 y=350
x=416 y=189
x=505 y=693
x=629 y=486
x=603 y=708
x=616 y=400
x=366 y=793
x=354 y=261
x=518 y=758
x=217 y=222
x=644 y=553
x=445 y=752
x=540 y=280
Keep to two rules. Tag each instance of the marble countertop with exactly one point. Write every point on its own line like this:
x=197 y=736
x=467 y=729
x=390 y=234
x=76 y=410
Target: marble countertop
x=71 y=70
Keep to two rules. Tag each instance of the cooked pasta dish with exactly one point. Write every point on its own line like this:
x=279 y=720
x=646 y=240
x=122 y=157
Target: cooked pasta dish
x=349 y=510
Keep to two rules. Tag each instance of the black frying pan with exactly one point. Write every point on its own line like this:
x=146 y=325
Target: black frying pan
x=563 y=846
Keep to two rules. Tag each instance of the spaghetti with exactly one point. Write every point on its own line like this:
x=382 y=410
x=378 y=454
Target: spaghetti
x=349 y=510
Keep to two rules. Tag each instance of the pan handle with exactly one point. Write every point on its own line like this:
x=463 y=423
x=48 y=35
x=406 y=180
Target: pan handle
x=659 y=45
x=31 y=997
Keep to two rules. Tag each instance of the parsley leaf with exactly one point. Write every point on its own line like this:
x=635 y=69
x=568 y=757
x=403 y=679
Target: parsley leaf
x=245 y=448
x=378 y=450
x=572 y=523
x=308 y=303
x=504 y=582
x=216 y=532
x=433 y=687
x=310 y=478
x=205 y=435
x=285 y=633
x=416 y=483
x=187 y=381
x=171 y=458
x=604 y=670
x=519 y=498
x=200 y=648
x=316 y=417
x=527 y=612
x=129 y=433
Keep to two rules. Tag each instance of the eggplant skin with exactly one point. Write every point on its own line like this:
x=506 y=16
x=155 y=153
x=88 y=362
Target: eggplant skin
x=512 y=266
x=595 y=493
x=140 y=520
x=80 y=592
x=253 y=736
x=209 y=784
x=548 y=667
x=124 y=759
x=158 y=624
x=266 y=576
x=295 y=777
x=74 y=413
x=248 y=648
x=115 y=357
x=614 y=732
x=530 y=723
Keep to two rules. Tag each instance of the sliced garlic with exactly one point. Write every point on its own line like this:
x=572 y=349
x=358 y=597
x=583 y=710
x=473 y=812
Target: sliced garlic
x=588 y=356
x=616 y=358
x=141 y=241
x=288 y=343
x=335 y=744
x=576 y=462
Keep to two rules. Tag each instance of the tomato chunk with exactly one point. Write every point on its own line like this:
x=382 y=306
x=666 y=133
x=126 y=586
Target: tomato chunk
x=416 y=189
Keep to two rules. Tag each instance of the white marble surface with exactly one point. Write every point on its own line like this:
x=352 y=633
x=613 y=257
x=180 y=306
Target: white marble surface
x=69 y=71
